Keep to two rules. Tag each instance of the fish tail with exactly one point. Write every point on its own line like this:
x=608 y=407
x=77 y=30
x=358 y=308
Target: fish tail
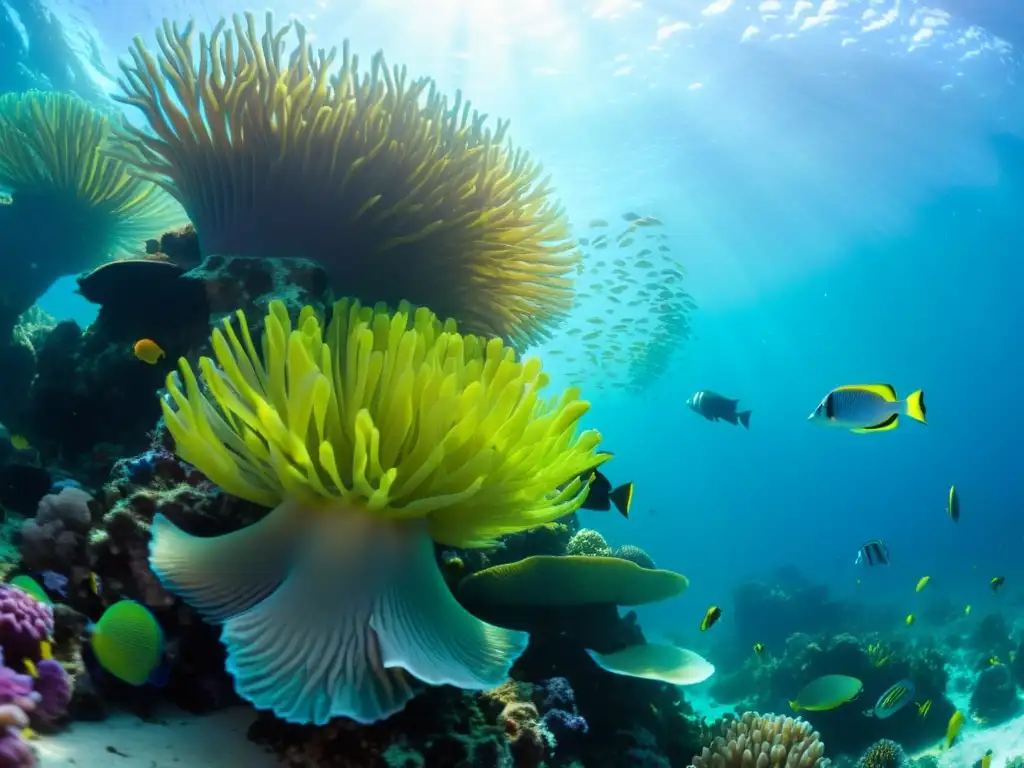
x=915 y=406
x=622 y=498
x=744 y=417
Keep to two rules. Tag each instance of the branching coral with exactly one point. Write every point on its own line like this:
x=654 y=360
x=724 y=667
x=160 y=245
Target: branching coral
x=373 y=439
x=402 y=194
x=756 y=741
x=587 y=541
x=51 y=159
x=884 y=753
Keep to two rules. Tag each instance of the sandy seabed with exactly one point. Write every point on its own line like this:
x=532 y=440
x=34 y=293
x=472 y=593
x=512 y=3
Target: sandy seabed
x=175 y=739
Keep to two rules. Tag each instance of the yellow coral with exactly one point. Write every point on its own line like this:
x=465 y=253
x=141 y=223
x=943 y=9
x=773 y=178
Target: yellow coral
x=372 y=439
x=402 y=194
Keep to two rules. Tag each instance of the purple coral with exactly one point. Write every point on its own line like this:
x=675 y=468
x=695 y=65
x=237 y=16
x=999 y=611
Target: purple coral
x=564 y=725
x=53 y=687
x=17 y=699
x=24 y=624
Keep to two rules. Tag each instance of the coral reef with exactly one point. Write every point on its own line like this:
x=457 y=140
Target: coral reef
x=994 y=698
x=884 y=753
x=761 y=741
x=635 y=555
x=24 y=624
x=400 y=193
x=587 y=541
x=55 y=539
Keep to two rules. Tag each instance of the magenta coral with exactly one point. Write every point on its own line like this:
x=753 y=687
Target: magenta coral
x=53 y=687
x=24 y=624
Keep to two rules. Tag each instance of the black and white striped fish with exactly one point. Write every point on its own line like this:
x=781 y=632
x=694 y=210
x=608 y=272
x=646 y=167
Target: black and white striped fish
x=873 y=553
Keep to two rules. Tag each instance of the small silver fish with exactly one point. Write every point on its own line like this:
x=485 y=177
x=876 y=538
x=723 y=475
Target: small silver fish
x=867 y=408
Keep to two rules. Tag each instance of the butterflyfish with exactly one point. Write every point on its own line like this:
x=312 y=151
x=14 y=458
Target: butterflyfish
x=866 y=408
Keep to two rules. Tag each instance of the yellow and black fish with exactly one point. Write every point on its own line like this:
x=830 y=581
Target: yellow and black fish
x=997 y=582
x=867 y=408
x=986 y=760
x=953 y=505
x=923 y=708
x=713 y=614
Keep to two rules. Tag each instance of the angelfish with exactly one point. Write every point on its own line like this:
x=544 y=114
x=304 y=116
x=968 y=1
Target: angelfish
x=867 y=408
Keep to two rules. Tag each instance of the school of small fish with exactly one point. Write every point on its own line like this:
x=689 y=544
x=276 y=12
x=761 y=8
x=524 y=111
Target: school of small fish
x=644 y=321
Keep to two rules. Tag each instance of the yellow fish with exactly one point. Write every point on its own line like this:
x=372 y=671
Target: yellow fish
x=924 y=709
x=19 y=443
x=148 y=351
x=994 y=661
x=866 y=408
x=910 y=619
x=45 y=649
x=967 y=611
x=30 y=667
x=758 y=648
x=95 y=585
x=28 y=734
x=986 y=761
x=922 y=583
x=128 y=643
x=956 y=722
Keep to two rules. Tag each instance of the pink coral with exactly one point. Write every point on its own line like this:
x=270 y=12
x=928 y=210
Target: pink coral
x=24 y=624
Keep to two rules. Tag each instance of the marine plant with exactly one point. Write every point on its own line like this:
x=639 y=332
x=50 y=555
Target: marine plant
x=399 y=192
x=372 y=439
x=51 y=160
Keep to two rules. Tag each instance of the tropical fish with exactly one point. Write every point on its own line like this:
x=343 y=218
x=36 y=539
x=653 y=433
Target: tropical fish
x=30 y=667
x=910 y=620
x=55 y=582
x=867 y=408
x=45 y=649
x=953 y=505
x=759 y=648
x=922 y=583
x=601 y=496
x=827 y=692
x=994 y=661
x=27 y=584
x=128 y=643
x=20 y=443
x=967 y=611
x=894 y=699
x=715 y=407
x=873 y=553
x=986 y=760
x=95 y=584
x=148 y=351
x=997 y=582
x=956 y=722
x=711 y=615
x=923 y=709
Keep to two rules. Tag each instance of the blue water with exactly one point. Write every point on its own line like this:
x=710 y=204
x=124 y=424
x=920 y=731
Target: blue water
x=830 y=175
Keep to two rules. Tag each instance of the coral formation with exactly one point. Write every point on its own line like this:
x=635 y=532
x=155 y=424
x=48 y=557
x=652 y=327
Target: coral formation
x=587 y=541
x=635 y=555
x=370 y=393
x=24 y=623
x=55 y=539
x=401 y=194
x=761 y=741
x=51 y=159
x=884 y=753
x=994 y=698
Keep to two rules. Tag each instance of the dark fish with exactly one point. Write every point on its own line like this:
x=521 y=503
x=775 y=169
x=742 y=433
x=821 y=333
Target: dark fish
x=713 y=614
x=997 y=582
x=873 y=553
x=602 y=496
x=715 y=407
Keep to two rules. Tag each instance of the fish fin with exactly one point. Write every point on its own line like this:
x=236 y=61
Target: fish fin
x=885 y=391
x=890 y=423
x=915 y=406
x=744 y=417
x=622 y=498
x=222 y=576
x=363 y=615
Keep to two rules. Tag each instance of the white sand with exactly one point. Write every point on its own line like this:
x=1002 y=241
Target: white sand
x=1006 y=742
x=177 y=740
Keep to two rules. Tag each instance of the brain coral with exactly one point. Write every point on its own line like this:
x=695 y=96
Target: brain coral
x=761 y=741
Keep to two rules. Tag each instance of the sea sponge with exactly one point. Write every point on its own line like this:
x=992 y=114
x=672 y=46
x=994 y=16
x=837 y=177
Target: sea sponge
x=56 y=538
x=756 y=741
x=372 y=440
x=400 y=193
x=587 y=541
x=51 y=160
x=884 y=753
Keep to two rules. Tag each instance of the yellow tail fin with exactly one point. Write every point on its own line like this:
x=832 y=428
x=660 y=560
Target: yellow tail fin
x=915 y=406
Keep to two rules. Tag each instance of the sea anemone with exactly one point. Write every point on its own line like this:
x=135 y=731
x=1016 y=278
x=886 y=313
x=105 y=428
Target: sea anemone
x=400 y=193
x=371 y=439
x=62 y=183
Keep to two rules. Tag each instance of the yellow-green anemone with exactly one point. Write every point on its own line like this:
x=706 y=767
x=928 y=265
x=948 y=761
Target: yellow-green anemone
x=371 y=439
